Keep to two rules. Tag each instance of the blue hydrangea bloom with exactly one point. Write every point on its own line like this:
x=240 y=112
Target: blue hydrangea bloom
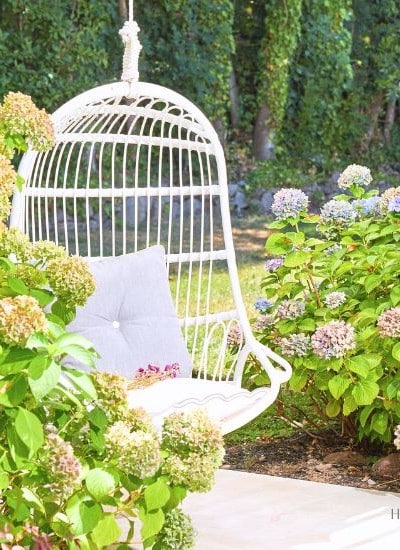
x=338 y=212
x=394 y=204
x=367 y=206
x=263 y=305
x=288 y=203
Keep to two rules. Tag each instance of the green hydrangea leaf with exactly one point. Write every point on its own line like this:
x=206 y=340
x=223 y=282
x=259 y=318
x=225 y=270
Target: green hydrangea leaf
x=29 y=429
x=106 y=532
x=100 y=483
x=297 y=258
x=42 y=379
x=379 y=422
x=365 y=391
x=333 y=408
x=277 y=244
x=338 y=385
x=156 y=495
x=83 y=513
x=152 y=522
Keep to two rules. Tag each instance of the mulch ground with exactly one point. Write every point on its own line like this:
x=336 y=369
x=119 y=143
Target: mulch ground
x=301 y=456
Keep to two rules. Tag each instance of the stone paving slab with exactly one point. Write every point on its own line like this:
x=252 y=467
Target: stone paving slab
x=247 y=511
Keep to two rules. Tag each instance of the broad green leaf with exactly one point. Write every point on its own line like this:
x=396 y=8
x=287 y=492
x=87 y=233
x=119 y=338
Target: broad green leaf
x=359 y=365
x=13 y=390
x=338 y=385
x=83 y=513
x=333 y=408
x=156 y=495
x=33 y=500
x=152 y=522
x=277 y=244
x=298 y=380
x=81 y=354
x=349 y=404
x=297 y=258
x=177 y=494
x=4 y=481
x=396 y=351
x=44 y=297
x=97 y=417
x=379 y=422
x=307 y=325
x=106 y=532
x=42 y=381
x=15 y=360
x=17 y=285
x=37 y=341
x=364 y=415
x=364 y=392
x=395 y=295
x=371 y=282
x=100 y=483
x=29 y=429
x=82 y=381
x=19 y=182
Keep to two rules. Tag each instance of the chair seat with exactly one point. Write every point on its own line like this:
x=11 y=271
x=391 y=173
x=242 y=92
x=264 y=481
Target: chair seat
x=225 y=402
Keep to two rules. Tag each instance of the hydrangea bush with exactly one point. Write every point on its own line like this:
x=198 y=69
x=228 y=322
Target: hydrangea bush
x=334 y=282
x=74 y=458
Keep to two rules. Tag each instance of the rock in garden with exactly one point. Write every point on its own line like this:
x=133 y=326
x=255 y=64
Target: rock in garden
x=387 y=467
x=347 y=458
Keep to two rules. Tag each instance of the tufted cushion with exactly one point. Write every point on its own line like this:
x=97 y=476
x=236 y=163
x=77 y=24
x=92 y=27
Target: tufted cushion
x=130 y=318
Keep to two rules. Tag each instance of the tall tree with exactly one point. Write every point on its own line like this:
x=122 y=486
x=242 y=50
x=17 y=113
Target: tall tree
x=322 y=79
x=282 y=30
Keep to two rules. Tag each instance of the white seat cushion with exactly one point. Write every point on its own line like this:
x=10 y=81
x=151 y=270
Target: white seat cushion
x=222 y=400
x=131 y=319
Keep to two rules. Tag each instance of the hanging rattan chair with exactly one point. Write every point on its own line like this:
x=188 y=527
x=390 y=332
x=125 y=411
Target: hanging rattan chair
x=136 y=164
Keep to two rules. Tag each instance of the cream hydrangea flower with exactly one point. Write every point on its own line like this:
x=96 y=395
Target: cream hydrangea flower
x=8 y=176
x=13 y=241
x=20 y=317
x=70 y=279
x=135 y=452
x=19 y=115
x=47 y=250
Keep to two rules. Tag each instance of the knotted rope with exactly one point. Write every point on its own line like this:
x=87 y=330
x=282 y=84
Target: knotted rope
x=130 y=61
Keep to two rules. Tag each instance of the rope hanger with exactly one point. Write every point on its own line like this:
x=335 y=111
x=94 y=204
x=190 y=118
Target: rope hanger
x=130 y=61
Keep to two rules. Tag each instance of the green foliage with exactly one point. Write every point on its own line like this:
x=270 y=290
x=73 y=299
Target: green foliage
x=54 y=50
x=180 y=49
x=275 y=173
x=335 y=314
x=321 y=77
x=282 y=30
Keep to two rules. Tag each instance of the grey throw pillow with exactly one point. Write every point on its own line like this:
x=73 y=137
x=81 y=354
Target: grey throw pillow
x=130 y=318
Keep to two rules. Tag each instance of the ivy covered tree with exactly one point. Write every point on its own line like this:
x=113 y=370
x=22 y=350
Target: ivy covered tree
x=376 y=50
x=321 y=80
x=282 y=30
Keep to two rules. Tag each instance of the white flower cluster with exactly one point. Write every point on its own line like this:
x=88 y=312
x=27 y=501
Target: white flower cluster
x=355 y=175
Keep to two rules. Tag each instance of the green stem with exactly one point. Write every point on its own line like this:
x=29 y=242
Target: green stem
x=314 y=286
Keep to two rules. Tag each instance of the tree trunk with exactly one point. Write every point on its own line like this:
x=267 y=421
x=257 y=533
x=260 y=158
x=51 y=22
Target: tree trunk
x=263 y=145
x=219 y=126
x=374 y=112
x=123 y=9
x=389 y=121
x=234 y=97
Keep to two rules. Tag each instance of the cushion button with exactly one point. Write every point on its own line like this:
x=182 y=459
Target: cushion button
x=115 y=324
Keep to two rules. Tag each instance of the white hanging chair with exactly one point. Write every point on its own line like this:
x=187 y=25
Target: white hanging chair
x=137 y=164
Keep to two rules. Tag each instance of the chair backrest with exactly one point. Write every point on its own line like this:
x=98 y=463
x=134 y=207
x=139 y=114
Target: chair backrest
x=137 y=164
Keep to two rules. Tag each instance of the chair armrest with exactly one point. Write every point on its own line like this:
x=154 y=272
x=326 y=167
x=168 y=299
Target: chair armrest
x=265 y=356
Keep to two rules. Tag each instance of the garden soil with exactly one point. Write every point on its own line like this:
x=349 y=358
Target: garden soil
x=302 y=456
